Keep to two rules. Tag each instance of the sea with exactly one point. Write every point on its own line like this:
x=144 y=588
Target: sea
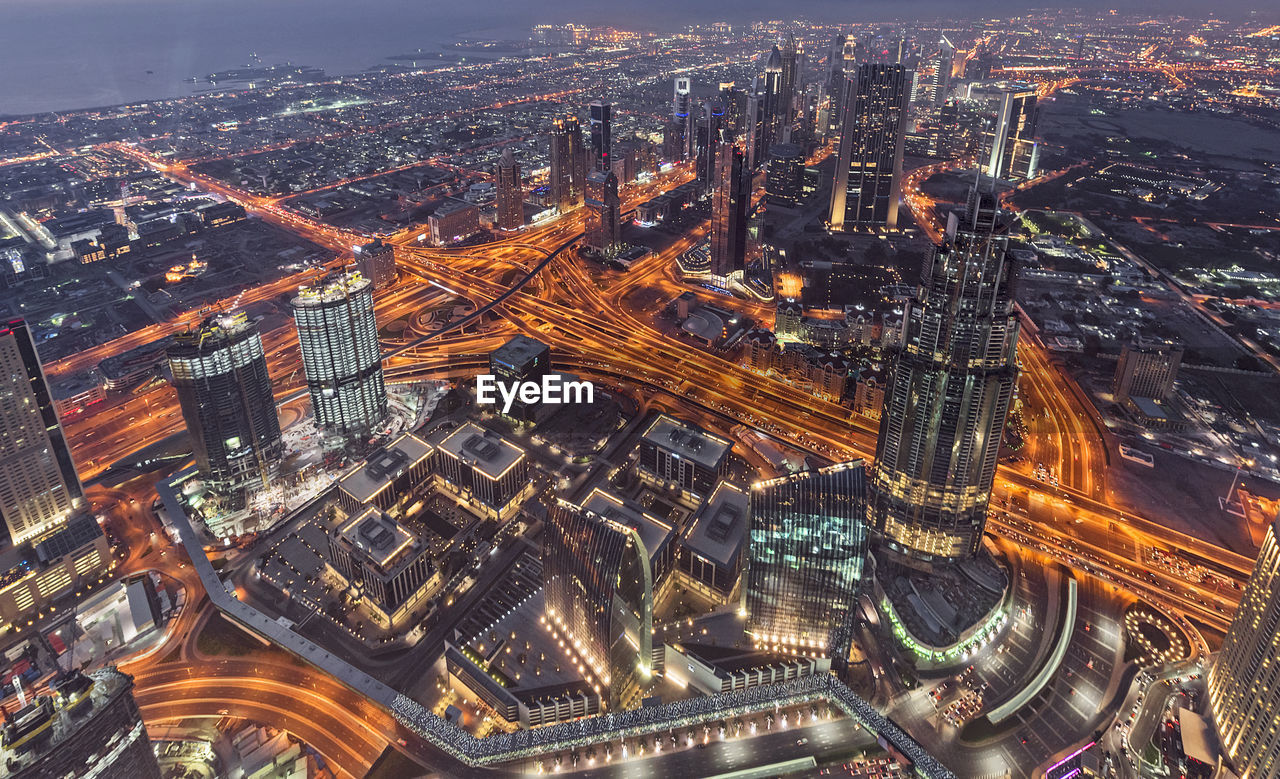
x=61 y=55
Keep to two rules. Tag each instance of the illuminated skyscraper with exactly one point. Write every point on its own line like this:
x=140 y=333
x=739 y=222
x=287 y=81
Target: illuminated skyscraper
x=1014 y=153
x=604 y=213
x=220 y=374
x=1244 y=681
x=338 y=338
x=940 y=72
x=568 y=165
x=785 y=177
x=770 y=87
x=729 y=202
x=598 y=586
x=947 y=394
x=39 y=488
x=709 y=135
x=601 y=136
x=788 y=83
x=510 y=192
x=682 y=114
x=868 y=177
x=807 y=548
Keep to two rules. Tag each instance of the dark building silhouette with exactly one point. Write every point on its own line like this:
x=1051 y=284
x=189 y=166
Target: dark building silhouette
x=604 y=218
x=568 y=177
x=510 y=192
x=784 y=181
x=729 y=203
x=601 y=136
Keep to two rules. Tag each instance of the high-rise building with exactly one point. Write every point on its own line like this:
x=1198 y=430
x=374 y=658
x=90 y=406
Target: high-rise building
x=604 y=214
x=341 y=357
x=220 y=374
x=807 y=548
x=1146 y=369
x=788 y=82
x=947 y=393
x=729 y=203
x=377 y=261
x=1244 y=691
x=770 y=87
x=39 y=488
x=756 y=127
x=598 y=586
x=709 y=136
x=785 y=177
x=940 y=72
x=734 y=101
x=683 y=115
x=383 y=564
x=1014 y=153
x=868 y=176
x=89 y=725
x=601 y=136
x=834 y=88
x=510 y=192
x=568 y=165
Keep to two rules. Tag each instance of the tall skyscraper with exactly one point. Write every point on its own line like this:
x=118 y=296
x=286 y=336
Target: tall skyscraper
x=947 y=393
x=868 y=177
x=785 y=176
x=788 y=82
x=1014 y=153
x=683 y=116
x=835 y=87
x=39 y=488
x=338 y=338
x=940 y=72
x=756 y=126
x=709 y=136
x=377 y=261
x=510 y=192
x=568 y=177
x=220 y=374
x=1244 y=694
x=734 y=101
x=88 y=726
x=598 y=586
x=770 y=87
x=604 y=213
x=729 y=202
x=601 y=136
x=807 y=549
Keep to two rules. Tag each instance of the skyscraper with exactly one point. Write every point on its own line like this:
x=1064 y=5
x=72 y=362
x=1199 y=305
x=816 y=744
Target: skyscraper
x=807 y=548
x=835 y=87
x=1146 y=369
x=729 y=202
x=940 y=72
x=601 y=136
x=604 y=213
x=756 y=126
x=1244 y=695
x=947 y=393
x=1014 y=153
x=868 y=177
x=510 y=192
x=770 y=87
x=39 y=488
x=568 y=165
x=682 y=114
x=377 y=261
x=598 y=586
x=338 y=338
x=709 y=135
x=220 y=374
x=785 y=176
x=788 y=82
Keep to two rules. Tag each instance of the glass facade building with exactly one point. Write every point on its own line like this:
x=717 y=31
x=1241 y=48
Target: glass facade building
x=1244 y=682
x=729 y=203
x=947 y=394
x=220 y=374
x=568 y=178
x=868 y=179
x=807 y=549
x=338 y=338
x=599 y=591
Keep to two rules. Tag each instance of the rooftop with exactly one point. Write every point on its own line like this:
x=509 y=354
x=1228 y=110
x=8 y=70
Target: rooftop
x=331 y=288
x=485 y=450
x=653 y=532
x=718 y=531
x=378 y=537
x=384 y=466
x=517 y=352
x=687 y=441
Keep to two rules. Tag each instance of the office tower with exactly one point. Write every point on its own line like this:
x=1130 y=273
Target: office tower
x=835 y=87
x=338 y=338
x=868 y=177
x=598 y=586
x=734 y=101
x=709 y=136
x=87 y=726
x=384 y=563
x=568 y=165
x=788 y=81
x=377 y=261
x=601 y=137
x=683 y=116
x=940 y=72
x=729 y=203
x=604 y=214
x=771 y=123
x=785 y=176
x=947 y=393
x=756 y=126
x=510 y=192
x=39 y=488
x=1146 y=369
x=220 y=374
x=485 y=469
x=945 y=137
x=806 y=551
x=1014 y=153
x=1243 y=692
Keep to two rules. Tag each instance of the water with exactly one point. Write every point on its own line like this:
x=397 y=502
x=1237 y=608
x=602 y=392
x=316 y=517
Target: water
x=68 y=54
